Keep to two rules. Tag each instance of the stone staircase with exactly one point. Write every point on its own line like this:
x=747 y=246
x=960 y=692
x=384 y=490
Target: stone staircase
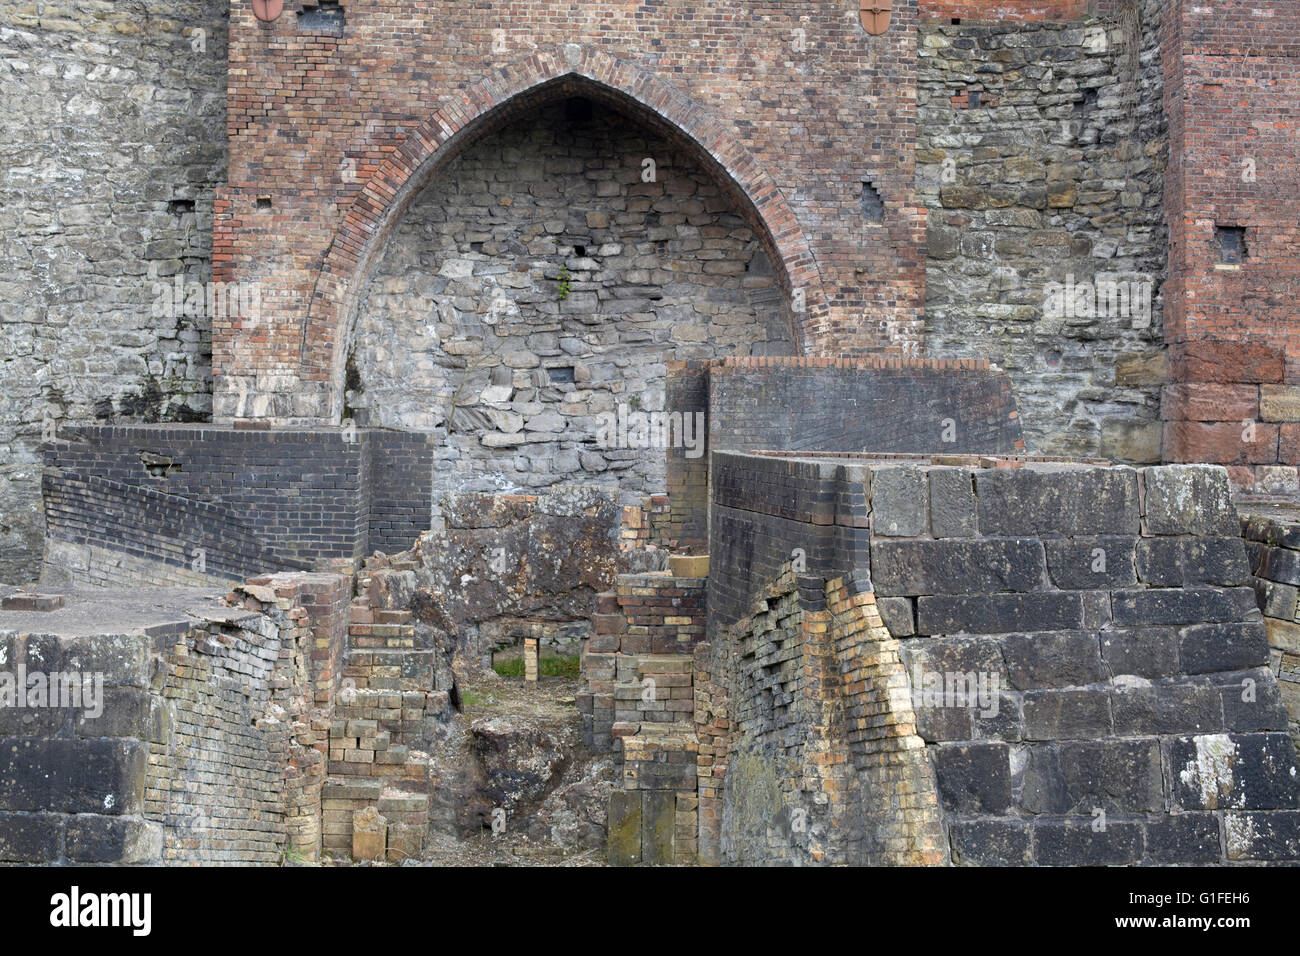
x=375 y=801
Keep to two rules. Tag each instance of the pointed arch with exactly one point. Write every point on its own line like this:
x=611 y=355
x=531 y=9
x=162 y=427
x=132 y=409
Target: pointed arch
x=465 y=116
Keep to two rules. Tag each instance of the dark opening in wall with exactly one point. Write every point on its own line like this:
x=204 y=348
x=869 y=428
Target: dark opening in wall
x=580 y=251
x=263 y=202
x=179 y=207
x=1230 y=244
x=324 y=17
x=561 y=373
x=578 y=109
x=873 y=207
x=956 y=21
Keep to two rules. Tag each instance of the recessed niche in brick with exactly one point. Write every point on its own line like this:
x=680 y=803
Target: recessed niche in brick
x=179 y=207
x=263 y=202
x=873 y=207
x=1230 y=244
x=324 y=17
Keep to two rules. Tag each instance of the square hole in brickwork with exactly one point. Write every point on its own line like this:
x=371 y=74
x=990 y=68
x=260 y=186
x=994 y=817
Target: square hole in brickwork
x=1230 y=244
x=180 y=207
x=263 y=202
x=324 y=17
x=873 y=207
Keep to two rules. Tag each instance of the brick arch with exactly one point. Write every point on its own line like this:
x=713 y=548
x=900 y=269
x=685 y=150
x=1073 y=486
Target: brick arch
x=467 y=115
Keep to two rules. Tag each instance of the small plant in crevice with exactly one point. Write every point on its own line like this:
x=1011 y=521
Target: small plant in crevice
x=562 y=284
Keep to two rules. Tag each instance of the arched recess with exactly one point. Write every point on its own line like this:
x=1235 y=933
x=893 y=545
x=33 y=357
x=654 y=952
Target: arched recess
x=493 y=101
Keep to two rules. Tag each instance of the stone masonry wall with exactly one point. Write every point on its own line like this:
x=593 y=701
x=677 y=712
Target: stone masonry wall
x=1088 y=668
x=1041 y=152
x=1273 y=551
x=539 y=284
x=112 y=147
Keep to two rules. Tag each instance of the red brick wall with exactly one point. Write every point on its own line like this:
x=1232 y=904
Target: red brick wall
x=1005 y=9
x=1232 y=95
x=411 y=83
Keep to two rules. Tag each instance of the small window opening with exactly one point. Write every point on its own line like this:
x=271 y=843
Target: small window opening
x=873 y=206
x=323 y=17
x=1230 y=242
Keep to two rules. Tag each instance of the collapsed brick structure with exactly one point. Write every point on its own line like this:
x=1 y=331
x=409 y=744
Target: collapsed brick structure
x=578 y=223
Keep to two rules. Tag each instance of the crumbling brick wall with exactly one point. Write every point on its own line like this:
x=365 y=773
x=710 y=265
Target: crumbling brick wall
x=211 y=745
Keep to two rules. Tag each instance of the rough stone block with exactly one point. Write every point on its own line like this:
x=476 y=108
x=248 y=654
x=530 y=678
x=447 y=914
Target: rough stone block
x=1183 y=838
x=1268 y=835
x=989 y=843
x=952 y=503
x=1077 y=842
x=1188 y=499
x=1086 y=563
x=1052 y=659
x=624 y=828
x=898 y=614
x=974 y=778
x=1208 y=648
x=97 y=839
x=1084 y=501
x=1234 y=771
x=1149 y=652
x=898 y=501
x=658 y=816
x=999 y=613
x=1165 y=707
x=956 y=567
x=30 y=837
x=1062 y=714
x=1165 y=606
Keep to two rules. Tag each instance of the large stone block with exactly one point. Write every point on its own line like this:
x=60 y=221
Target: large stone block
x=1079 y=777
x=1165 y=707
x=97 y=839
x=952 y=503
x=30 y=837
x=990 y=843
x=1267 y=835
x=1208 y=648
x=1052 y=659
x=101 y=775
x=1078 y=501
x=1063 y=714
x=1188 y=499
x=624 y=828
x=1234 y=771
x=974 y=778
x=1085 y=563
x=956 y=567
x=1183 y=838
x=998 y=613
x=898 y=501
x=1165 y=606
x=1083 y=842
x=1149 y=652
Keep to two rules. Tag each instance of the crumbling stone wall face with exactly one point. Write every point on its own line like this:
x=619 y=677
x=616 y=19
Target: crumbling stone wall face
x=1041 y=157
x=540 y=284
x=1273 y=551
x=111 y=125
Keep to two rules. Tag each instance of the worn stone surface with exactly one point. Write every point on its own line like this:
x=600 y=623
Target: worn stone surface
x=110 y=132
